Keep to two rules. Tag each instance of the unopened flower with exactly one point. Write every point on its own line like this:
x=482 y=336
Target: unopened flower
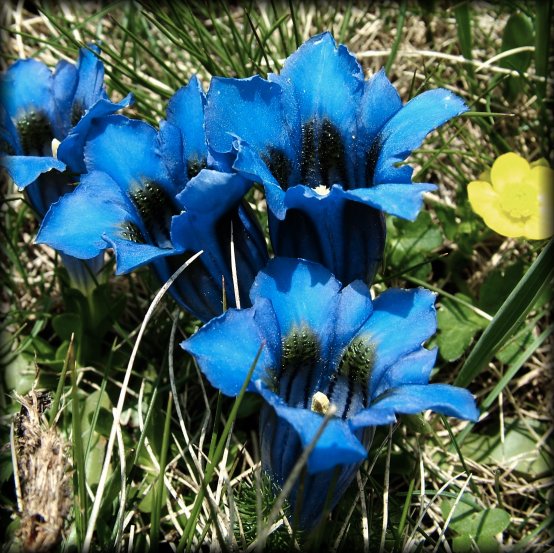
x=515 y=197
x=326 y=350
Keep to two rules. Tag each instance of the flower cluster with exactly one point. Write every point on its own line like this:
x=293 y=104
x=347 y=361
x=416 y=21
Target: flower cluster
x=328 y=147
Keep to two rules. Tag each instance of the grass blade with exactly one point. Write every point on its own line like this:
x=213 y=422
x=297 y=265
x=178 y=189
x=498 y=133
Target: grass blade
x=509 y=316
x=78 y=451
x=397 y=38
x=156 y=511
x=463 y=28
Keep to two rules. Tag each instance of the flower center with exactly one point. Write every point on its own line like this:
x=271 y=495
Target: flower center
x=323 y=158
x=130 y=231
x=194 y=166
x=299 y=361
x=35 y=133
x=77 y=112
x=156 y=210
x=279 y=165
x=519 y=202
x=322 y=190
x=320 y=403
x=357 y=360
x=300 y=385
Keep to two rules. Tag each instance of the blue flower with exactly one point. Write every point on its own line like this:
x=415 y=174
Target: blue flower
x=38 y=107
x=325 y=144
x=324 y=344
x=152 y=197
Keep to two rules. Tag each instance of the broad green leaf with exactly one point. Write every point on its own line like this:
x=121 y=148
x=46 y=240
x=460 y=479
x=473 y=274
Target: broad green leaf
x=457 y=325
x=498 y=285
x=518 y=451
x=517 y=33
x=19 y=374
x=66 y=324
x=409 y=243
x=472 y=523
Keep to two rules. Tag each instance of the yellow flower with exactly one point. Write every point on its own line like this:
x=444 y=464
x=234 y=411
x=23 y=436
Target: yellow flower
x=515 y=197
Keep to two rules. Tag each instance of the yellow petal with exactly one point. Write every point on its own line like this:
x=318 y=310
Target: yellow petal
x=482 y=197
x=507 y=171
x=503 y=224
x=485 y=202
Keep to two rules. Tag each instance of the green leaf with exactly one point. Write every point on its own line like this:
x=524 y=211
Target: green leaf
x=513 y=311
x=457 y=326
x=498 y=285
x=515 y=345
x=471 y=522
x=518 y=451
x=66 y=324
x=410 y=242
x=517 y=33
x=19 y=374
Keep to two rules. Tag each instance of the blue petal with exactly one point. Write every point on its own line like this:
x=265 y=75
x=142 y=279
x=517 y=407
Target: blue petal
x=171 y=148
x=185 y=110
x=65 y=84
x=212 y=193
x=226 y=347
x=401 y=321
x=372 y=416
x=91 y=77
x=76 y=224
x=130 y=255
x=28 y=84
x=254 y=110
x=327 y=85
x=402 y=200
x=380 y=101
x=249 y=164
x=24 y=170
x=302 y=293
x=408 y=128
x=212 y=203
x=327 y=82
x=345 y=236
x=337 y=445
x=414 y=368
x=441 y=398
x=71 y=148
x=353 y=310
x=126 y=150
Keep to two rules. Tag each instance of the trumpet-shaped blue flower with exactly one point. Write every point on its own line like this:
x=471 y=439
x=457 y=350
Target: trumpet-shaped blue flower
x=325 y=144
x=325 y=345
x=39 y=109
x=149 y=196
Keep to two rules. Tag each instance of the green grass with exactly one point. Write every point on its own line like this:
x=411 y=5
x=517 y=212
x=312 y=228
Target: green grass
x=157 y=454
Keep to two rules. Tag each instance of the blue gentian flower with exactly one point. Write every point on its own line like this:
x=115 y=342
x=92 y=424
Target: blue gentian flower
x=325 y=144
x=152 y=197
x=38 y=107
x=325 y=344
